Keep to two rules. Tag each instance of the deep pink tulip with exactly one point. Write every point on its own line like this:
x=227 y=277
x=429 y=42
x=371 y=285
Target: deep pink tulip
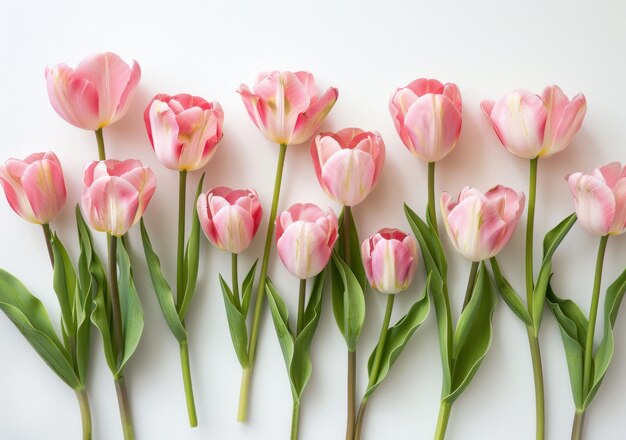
x=95 y=94
x=305 y=236
x=428 y=116
x=116 y=194
x=390 y=260
x=34 y=187
x=348 y=163
x=286 y=107
x=478 y=225
x=600 y=199
x=184 y=130
x=230 y=218
x=531 y=126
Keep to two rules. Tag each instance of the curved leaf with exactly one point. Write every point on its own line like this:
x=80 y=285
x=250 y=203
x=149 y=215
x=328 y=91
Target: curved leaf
x=162 y=288
x=246 y=289
x=65 y=285
x=510 y=296
x=397 y=338
x=430 y=244
x=539 y=294
x=555 y=236
x=236 y=324
x=348 y=301
x=354 y=247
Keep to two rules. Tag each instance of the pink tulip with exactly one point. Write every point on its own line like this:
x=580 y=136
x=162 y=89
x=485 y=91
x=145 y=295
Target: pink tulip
x=286 y=107
x=95 y=94
x=184 y=130
x=390 y=260
x=34 y=187
x=600 y=199
x=305 y=236
x=115 y=194
x=478 y=225
x=230 y=218
x=348 y=163
x=428 y=116
x=531 y=126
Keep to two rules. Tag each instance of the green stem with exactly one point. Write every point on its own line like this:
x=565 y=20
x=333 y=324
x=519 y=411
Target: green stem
x=350 y=420
x=593 y=313
x=235 y=280
x=347 y=219
x=191 y=404
x=180 y=255
x=260 y=295
x=442 y=420
x=530 y=224
x=301 y=303
x=535 y=354
x=47 y=233
x=577 y=426
x=470 y=283
x=295 y=421
x=100 y=139
x=118 y=336
x=85 y=412
x=122 y=401
x=432 y=216
x=378 y=355
x=242 y=411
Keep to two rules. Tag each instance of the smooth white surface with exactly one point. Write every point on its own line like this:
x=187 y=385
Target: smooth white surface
x=366 y=49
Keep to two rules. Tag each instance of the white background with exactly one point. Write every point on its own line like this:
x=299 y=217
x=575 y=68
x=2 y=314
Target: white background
x=366 y=49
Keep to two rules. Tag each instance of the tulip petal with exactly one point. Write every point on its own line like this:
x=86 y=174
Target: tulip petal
x=594 y=202
x=308 y=122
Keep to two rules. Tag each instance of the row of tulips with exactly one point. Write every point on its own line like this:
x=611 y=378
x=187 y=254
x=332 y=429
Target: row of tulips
x=313 y=244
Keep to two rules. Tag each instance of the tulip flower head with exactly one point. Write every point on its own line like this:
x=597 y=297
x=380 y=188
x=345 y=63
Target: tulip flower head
x=480 y=225
x=531 y=126
x=428 y=116
x=390 y=260
x=600 y=199
x=34 y=187
x=95 y=94
x=285 y=106
x=116 y=194
x=230 y=218
x=348 y=163
x=305 y=236
x=184 y=130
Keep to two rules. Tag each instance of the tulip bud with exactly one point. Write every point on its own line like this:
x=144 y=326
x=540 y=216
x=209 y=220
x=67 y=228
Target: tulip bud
x=116 y=194
x=600 y=199
x=184 y=130
x=95 y=94
x=348 y=163
x=390 y=260
x=34 y=187
x=230 y=218
x=305 y=236
x=428 y=116
x=285 y=106
x=478 y=225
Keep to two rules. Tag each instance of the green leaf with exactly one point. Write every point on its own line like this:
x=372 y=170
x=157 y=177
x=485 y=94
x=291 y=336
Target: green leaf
x=473 y=334
x=65 y=286
x=192 y=256
x=130 y=306
x=604 y=353
x=162 y=288
x=31 y=319
x=355 y=264
x=236 y=324
x=510 y=296
x=435 y=289
x=539 y=294
x=246 y=289
x=555 y=236
x=83 y=337
x=301 y=365
x=397 y=338
x=430 y=244
x=348 y=301
x=573 y=326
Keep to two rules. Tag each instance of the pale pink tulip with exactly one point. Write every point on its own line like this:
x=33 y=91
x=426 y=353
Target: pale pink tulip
x=184 y=130
x=390 y=260
x=95 y=94
x=285 y=106
x=34 y=187
x=600 y=199
x=348 y=163
x=531 y=126
x=116 y=194
x=305 y=236
x=478 y=225
x=230 y=218
x=428 y=117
